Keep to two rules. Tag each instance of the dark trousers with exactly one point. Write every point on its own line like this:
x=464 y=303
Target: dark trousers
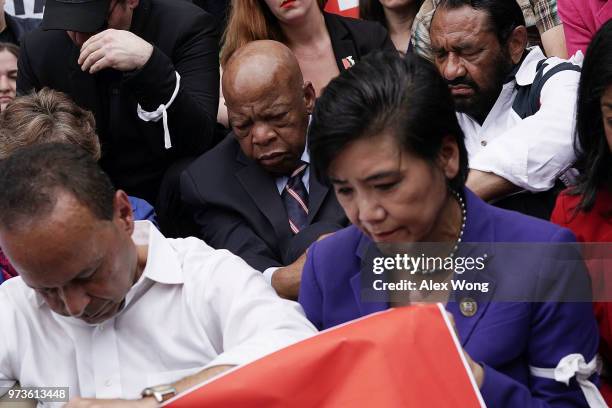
x=539 y=205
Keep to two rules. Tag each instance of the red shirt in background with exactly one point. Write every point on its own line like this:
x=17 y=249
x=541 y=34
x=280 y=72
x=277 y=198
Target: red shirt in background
x=594 y=226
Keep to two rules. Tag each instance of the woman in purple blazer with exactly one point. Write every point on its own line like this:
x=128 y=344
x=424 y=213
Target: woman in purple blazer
x=386 y=136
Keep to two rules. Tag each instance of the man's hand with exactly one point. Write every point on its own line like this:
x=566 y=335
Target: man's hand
x=111 y=403
x=286 y=280
x=116 y=49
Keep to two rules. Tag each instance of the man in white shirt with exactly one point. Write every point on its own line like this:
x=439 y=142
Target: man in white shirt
x=515 y=107
x=109 y=307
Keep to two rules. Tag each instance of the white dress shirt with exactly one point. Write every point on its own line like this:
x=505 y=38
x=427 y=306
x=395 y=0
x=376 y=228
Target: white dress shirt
x=193 y=308
x=533 y=152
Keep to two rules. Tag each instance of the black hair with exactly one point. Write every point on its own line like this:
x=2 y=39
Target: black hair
x=33 y=177
x=386 y=92
x=504 y=15
x=594 y=159
x=373 y=10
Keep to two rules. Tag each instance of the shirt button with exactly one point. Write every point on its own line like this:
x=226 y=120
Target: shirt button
x=483 y=143
x=108 y=383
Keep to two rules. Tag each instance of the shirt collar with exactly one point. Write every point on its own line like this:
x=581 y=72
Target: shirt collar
x=305 y=154
x=162 y=263
x=527 y=69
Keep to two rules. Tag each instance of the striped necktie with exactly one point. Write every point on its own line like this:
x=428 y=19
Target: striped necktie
x=295 y=198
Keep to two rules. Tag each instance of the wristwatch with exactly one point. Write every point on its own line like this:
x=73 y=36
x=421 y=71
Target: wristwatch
x=161 y=393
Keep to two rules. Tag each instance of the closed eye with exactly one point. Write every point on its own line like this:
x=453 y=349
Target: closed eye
x=344 y=191
x=278 y=117
x=470 y=54
x=439 y=52
x=46 y=291
x=385 y=186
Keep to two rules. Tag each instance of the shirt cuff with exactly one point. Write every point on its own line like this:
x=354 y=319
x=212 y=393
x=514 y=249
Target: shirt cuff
x=268 y=274
x=161 y=112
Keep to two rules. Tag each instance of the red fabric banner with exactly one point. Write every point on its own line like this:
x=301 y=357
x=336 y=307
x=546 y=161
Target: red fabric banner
x=405 y=357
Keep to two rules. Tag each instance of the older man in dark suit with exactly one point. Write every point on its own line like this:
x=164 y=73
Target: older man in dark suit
x=254 y=194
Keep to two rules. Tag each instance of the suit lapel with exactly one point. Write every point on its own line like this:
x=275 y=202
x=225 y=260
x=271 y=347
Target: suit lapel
x=478 y=230
x=465 y=323
x=260 y=186
x=316 y=196
x=344 y=48
x=366 y=306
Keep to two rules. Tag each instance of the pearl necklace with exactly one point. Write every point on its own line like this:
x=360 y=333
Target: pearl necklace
x=459 y=239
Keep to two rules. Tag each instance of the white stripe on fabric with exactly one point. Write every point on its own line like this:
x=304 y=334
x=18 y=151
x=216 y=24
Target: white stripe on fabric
x=574 y=365
x=161 y=112
x=297 y=198
x=293 y=227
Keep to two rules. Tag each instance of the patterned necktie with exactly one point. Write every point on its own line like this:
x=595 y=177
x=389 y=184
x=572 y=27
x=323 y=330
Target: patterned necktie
x=295 y=198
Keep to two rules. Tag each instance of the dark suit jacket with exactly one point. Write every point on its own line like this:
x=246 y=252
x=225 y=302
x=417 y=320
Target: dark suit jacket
x=355 y=38
x=237 y=207
x=20 y=26
x=185 y=41
x=506 y=337
x=218 y=8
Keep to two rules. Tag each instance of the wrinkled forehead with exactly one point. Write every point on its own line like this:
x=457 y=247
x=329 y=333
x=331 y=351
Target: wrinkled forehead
x=257 y=101
x=261 y=106
x=460 y=24
x=243 y=87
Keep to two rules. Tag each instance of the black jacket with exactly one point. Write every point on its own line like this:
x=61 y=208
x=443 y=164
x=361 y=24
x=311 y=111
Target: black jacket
x=20 y=26
x=354 y=39
x=238 y=207
x=185 y=40
x=218 y=8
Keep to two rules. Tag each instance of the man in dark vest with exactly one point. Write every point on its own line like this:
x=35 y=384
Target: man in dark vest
x=515 y=106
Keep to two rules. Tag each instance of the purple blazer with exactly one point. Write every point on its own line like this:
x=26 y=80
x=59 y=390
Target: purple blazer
x=507 y=338
x=581 y=20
